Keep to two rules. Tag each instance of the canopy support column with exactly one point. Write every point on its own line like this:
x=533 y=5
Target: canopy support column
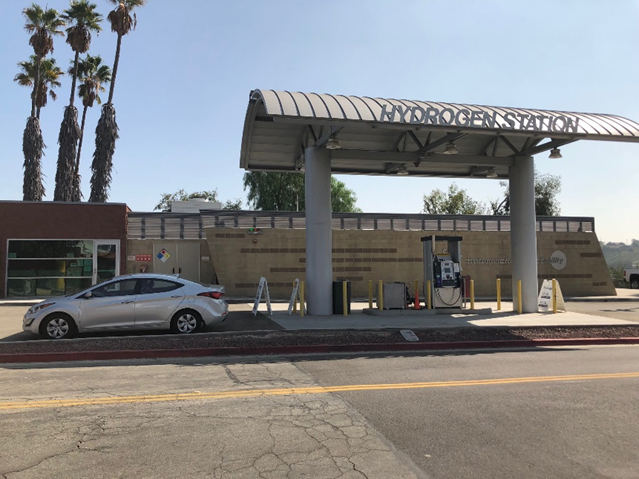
x=319 y=234
x=523 y=234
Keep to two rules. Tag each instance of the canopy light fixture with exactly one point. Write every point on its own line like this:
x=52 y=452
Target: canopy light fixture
x=396 y=169
x=487 y=171
x=402 y=171
x=555 y=154
x=333 y=143
x=451 y=149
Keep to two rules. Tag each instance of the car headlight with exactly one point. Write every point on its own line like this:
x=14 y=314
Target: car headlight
x=39 y=307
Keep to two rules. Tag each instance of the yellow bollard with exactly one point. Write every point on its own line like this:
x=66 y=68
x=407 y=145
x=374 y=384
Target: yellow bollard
x=302 y=299
x=428 y=298
x=295 y=299
x=370 y=294
x=344 y=298
x=498 y=294
x=554 y=296
x=519 y=307
x=472 y=294
x=380 y=295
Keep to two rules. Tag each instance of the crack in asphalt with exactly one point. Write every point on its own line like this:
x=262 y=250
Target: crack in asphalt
x=270 y=437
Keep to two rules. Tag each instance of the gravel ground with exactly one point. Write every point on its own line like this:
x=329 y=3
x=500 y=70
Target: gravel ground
x=262 y=339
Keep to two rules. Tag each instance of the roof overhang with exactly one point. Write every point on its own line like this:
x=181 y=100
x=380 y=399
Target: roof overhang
x=379 y=136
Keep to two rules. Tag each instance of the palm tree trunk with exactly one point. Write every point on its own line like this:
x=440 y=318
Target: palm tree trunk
x=75 y=77
x=106 y=132
x=33 y=149
x=36 y=80
x=68 y=140
x=77 y=162
x=77 y=191
x=115 y=68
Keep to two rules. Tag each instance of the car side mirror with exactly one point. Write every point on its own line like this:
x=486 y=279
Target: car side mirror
x=88 y=295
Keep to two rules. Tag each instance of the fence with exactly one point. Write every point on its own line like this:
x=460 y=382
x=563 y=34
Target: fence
x=192 y=225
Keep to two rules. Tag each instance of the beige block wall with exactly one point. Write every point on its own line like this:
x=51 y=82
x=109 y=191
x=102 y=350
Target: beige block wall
x=358 y=255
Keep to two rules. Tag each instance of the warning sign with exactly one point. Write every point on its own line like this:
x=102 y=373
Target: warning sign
x=163 y=255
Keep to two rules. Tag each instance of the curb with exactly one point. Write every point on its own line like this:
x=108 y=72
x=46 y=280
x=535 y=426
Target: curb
x=300 y=350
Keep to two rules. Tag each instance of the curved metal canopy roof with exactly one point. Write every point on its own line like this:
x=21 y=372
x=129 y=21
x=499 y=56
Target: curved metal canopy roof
x=386 y=136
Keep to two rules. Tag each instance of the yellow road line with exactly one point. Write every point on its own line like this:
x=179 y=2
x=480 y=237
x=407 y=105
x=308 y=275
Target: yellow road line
x=55 y=403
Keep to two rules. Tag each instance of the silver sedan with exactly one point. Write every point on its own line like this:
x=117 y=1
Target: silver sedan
x=137 y=301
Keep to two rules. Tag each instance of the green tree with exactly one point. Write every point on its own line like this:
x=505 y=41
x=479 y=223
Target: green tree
x=122 y=20
x=454 y=202
x=181 y=195
x=42 y=25
x=616 y=274
x=92 y=75
x=50 y=75
x=83 y=19
x=286 y=192
x=547 y=187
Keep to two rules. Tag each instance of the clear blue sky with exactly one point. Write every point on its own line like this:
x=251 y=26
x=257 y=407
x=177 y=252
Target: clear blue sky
x=187 y=70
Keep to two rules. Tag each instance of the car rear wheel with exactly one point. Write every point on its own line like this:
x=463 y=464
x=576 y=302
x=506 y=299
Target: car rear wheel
x=58 y=326
x=634 y=283
x=186 y=322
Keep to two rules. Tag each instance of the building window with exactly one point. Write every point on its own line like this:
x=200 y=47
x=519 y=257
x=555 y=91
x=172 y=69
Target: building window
x=49 y=267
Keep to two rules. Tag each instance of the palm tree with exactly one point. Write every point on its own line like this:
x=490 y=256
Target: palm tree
x=49 y=79
x=84 y=19
x=106 y=131
x=42 y=24
x=93 y=75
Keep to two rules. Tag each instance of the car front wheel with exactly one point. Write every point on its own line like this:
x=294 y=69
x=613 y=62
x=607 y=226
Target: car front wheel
x=634 y=283
x=58 y=327
x=185 y=322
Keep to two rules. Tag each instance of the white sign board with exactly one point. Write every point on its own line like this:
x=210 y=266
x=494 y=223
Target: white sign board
x=544 y=302
x=262 y=287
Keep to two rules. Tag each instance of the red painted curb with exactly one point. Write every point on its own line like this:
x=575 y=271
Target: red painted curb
x=320 y=348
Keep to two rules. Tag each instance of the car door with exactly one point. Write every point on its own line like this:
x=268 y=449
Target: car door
x=157 y=302
x=110 y=305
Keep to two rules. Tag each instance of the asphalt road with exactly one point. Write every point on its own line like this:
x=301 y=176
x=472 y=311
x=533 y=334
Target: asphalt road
x=548 y=429
x=551 y=413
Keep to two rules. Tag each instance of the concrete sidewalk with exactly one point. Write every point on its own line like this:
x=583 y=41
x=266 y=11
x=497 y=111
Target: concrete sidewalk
x=485 y=314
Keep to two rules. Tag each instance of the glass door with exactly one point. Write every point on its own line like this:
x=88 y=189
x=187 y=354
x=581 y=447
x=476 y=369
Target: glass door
x=106 y=260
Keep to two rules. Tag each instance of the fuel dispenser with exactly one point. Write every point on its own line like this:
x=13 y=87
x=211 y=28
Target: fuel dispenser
x=443 y=271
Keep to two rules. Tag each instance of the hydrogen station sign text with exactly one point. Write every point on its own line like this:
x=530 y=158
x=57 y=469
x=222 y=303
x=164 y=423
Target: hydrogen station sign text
x=464 y=117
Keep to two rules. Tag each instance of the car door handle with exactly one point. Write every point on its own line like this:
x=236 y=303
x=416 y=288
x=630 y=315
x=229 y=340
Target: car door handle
x=176 y=296
x=126 y=302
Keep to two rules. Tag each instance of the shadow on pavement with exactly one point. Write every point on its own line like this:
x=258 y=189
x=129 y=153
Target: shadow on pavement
x=245 y=321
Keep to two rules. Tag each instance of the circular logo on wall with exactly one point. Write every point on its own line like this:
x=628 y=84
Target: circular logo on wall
x=558 y=260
